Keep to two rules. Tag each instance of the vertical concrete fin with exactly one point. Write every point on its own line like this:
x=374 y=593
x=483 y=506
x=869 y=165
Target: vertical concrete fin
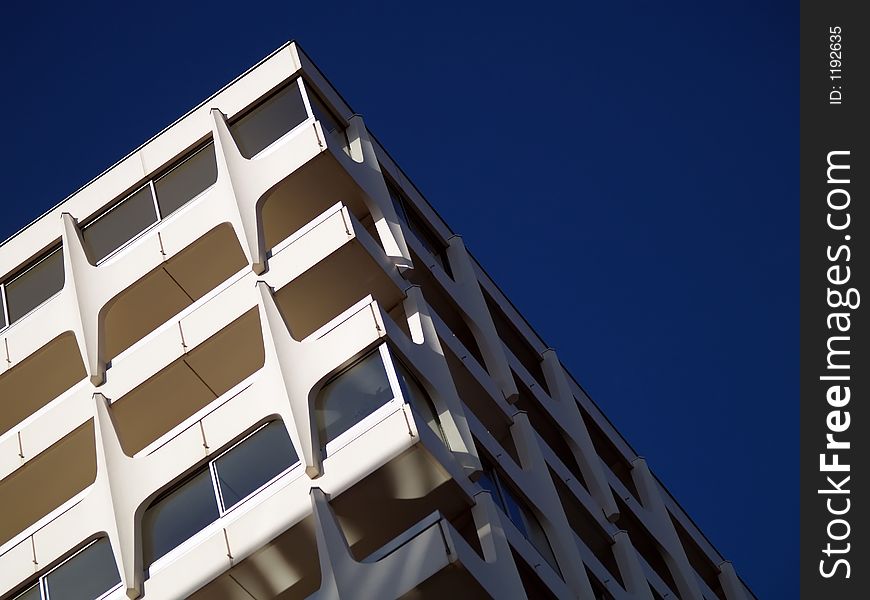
x=378 y=199
x=336 y=563
x=81 y=294
x=419 y=321
x=549 y=507
x=731 y=584
x=629 y=566
x=442 y=391
x=286 y=355
x=231 y=166
x=496 y=549
x=495 y=546
x=490 y=531
x=578 y=439
x=117 y=512
x=674 y=554
x=479 y=320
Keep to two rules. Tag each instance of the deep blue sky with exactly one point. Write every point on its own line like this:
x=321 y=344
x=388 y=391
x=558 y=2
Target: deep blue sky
x=626 y=171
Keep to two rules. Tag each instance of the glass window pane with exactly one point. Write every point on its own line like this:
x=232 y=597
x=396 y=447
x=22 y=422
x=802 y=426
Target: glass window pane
x=178 y=516
x=87 y=575
x=526 y=521
x=352 y=396
x=428 y=238
x=121 y=224
x=269 y=121
x=327 y=120
x=485 y=481
x=35 y=286
x=245 y=468
x=30 y=594
x=421 y=403
x=398 y=203
x=185 y=182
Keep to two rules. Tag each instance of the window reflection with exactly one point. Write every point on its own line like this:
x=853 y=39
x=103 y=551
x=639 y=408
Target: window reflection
x=269 y=121
x=223 y=483
x=178 y=515
x=418 y=227
x=88 y=574
x=120 y=224
x=35 y=286
x=31 y=594
x=420 y=402
x=253 y=463
x=353 y=395
x=518 y=512
x=186 y=181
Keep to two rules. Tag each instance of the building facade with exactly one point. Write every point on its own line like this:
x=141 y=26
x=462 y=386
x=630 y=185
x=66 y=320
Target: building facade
x=250 y=361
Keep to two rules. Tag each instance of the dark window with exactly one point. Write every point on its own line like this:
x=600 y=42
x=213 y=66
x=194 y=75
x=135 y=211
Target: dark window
x=191 y=506
x=328 y=121
x=421 y=231
x=35 y=286
x=420 y=402
x=120 y=224
x=254 y=462
x=87 y=575
x=30 y=594
x=519 y=514
x=269 y=121
x=186 y=181
x=353 y=395
x=178 y=515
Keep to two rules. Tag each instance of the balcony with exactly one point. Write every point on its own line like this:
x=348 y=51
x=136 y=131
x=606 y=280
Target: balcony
x=47 y=481
x=39 y=379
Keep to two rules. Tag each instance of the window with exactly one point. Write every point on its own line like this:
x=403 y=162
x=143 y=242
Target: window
x=87 y=575
x=415 y=224
x=330 y=123
x=186 y=181
x=178 y=515
x=363 y=390
x=265 y=124
x=253 y=463
x=34 y=286
x=151 y=203
x=420 y=402
x=32 y=593
x=352 y=396
x=214 y=489
x=327 y=119
x=519 y=514
x=3 y=320
x=121 y=223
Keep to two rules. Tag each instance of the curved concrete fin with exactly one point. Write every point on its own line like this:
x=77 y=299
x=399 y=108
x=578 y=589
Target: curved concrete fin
x=112 y=465
x=578 y=439
x=479 y=320
x=550 y=511
x=81 y=293
x=731 y=584
x=663 y=528
x=495 y=546
x=629 y=566
x=332 y=549
x=231 y=166
x=443 y=390
x=378 y=200
x=287 y=354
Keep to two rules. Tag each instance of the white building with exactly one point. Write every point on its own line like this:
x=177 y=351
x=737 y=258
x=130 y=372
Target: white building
x=250 y=361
